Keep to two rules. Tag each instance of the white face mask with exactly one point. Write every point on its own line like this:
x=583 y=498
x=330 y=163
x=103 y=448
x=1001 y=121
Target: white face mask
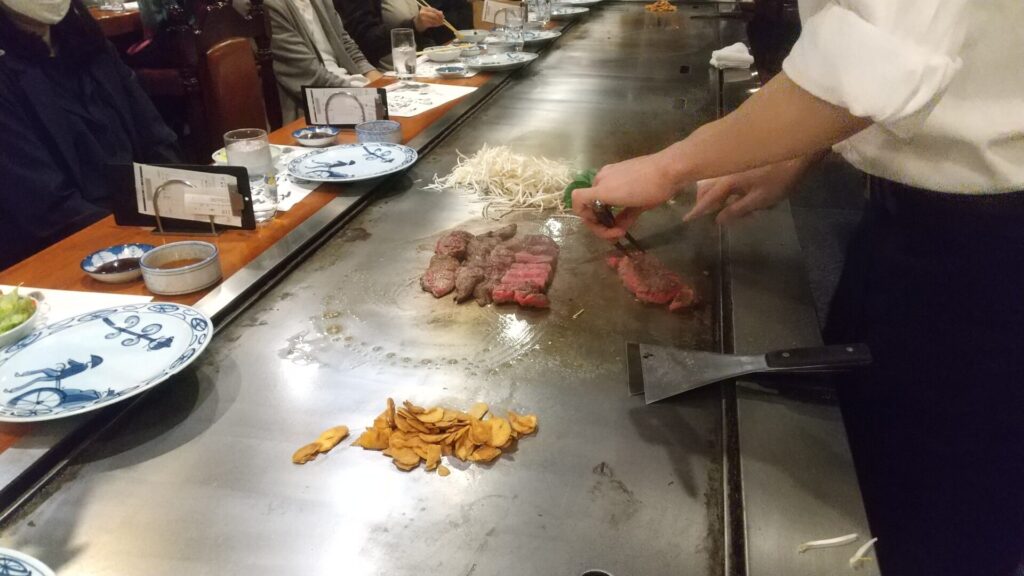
x=42 y=11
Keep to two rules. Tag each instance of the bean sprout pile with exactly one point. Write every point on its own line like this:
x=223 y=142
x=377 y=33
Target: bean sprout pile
x=508 y=181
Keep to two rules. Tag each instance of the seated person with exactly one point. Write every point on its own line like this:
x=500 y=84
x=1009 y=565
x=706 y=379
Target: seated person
x=68 y=106
x=458 y=13
x=371 y=21
x=312 y=48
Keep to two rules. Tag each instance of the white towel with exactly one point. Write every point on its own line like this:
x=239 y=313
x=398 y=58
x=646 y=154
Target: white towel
x=735 y=56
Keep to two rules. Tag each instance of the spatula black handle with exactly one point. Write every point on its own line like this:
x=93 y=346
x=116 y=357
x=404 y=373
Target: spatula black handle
x=820 y=358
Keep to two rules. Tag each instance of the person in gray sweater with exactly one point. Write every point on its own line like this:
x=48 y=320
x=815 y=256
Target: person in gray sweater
x=312 y=48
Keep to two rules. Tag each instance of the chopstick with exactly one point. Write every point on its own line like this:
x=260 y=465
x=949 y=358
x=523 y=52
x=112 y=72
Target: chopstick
x=445 y=21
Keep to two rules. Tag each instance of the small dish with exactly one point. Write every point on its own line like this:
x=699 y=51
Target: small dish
x=451 y=71
x=443 y=53
x=316 y=136
x=473 y=35
x=181 y=267
x=21 y=330
x=379 y=131
x=470 y=51
x=116 y=264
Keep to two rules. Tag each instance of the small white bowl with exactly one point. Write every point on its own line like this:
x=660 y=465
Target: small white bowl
x=204 y=270
x=21 y=330
x=457 y=71
x=473 y=35
x=443 y=53
x=116 y=264
x=470 y=51
x=316 y=136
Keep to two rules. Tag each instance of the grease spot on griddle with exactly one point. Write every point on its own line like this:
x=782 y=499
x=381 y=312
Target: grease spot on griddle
x=357 y=234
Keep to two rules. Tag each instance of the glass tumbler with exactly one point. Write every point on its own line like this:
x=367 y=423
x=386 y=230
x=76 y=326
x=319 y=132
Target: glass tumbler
x=403 y=53
x=538 y=14
x=250 y=148
x=513 y=20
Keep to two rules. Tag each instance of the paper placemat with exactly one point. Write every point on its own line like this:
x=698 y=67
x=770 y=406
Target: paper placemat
x=407 y=99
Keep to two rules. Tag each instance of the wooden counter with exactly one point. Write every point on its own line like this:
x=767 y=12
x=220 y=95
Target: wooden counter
x=57 y=267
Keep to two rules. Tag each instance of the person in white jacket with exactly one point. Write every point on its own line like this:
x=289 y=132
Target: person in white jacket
x=926 y=97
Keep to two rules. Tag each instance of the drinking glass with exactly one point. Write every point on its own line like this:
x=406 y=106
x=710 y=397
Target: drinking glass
x=513 y=20
x=112 y=5
x=538 y=13
x=250 y=148
x=403 y=53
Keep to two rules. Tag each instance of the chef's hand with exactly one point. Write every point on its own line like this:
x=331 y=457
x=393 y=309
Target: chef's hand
x=428 y=18
x=738 y=195
x=635 y=185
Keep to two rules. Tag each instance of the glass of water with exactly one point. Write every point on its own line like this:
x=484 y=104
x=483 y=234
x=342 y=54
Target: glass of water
x=538 y=14
x=513 y=20
x=403 y=53
x=250 y=148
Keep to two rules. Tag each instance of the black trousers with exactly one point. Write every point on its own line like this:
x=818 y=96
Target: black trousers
x=934 y=283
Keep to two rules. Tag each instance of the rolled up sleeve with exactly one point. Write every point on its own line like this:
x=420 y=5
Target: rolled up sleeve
x=888 y=61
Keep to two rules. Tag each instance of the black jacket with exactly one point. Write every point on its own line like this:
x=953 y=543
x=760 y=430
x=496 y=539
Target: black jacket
x=56 y=141
x=364 y=21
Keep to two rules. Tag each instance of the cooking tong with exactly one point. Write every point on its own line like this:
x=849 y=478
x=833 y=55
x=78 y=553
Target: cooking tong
x=607 y=219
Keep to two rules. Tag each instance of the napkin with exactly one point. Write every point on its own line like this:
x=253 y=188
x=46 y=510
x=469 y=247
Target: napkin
x=735 y=56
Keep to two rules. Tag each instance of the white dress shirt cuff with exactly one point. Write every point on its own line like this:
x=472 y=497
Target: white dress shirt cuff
x=849 y=62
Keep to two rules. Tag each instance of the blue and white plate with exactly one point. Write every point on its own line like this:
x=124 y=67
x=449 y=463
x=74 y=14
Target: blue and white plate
x=352 y=162
x=531 y=36
x=567 y=12
x=502 y=61
x=89 y=361
x=15 y=563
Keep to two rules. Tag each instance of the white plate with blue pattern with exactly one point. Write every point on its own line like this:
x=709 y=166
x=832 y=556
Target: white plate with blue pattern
x=502 y=61
x=352 y=162
x=531 y=36
x=15 y=563
x=567 y=12
x=92 y=360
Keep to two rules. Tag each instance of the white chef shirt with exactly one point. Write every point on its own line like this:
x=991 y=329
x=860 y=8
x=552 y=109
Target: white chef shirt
x=312 y=21
x=942 y=79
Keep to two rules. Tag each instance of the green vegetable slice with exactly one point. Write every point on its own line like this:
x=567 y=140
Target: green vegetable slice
x=14 y=310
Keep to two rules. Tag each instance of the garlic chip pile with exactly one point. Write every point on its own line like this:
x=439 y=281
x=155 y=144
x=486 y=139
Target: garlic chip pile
x=327 y=440
x=413 y=434
x=660 y=6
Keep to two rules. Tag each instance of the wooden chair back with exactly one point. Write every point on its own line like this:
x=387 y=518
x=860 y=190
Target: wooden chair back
x=231 y=80
x=221 y=86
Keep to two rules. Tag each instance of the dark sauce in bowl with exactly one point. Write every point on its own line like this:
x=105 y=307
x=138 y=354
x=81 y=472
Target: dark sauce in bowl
x=116 y=266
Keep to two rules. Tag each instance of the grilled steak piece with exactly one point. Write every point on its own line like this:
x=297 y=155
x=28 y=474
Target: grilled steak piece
x=526 y=267
x=454 y=244
x=650 y=281
x=492 y=267
x=466 y=281
x=439 y=279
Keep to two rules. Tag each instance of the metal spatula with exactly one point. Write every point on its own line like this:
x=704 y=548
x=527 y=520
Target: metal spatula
x=660 y=372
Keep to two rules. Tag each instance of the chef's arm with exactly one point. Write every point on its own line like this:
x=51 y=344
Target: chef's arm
x=781 y=121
